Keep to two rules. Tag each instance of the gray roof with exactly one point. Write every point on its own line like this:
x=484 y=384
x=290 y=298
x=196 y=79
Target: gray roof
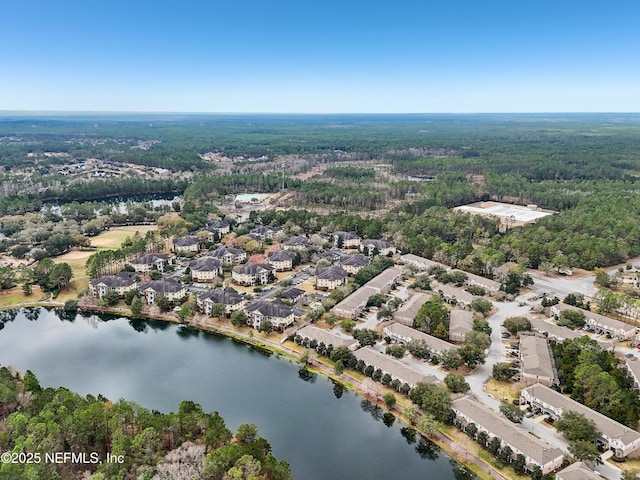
x=122 y=279
x=601 y=319
x=331 y=273
x=409 y=309
x=356 y=301
x=326 y=336
x=347 y=235
x=275 y=308
x=253 y=268
x=554 y=330
x=379 y=244
x=186 y=241
x=205 y=264
x=354 y=260
x=296 y=241
x=228 y=296
x=425 y=262
x=536 y=357
x=281 y=256
x=605 y=425
x=222 y=251
x=577 y=471
x=292 y=293
x=454 y=292
x=393 y=367
x=633 y=365
x=150 y=258
x=460 y=323
x=262 y=230
x=217 y=225
x=384 y=279
x=165 y=285
x=432 y=342
x=482 y=281
x=512 y=434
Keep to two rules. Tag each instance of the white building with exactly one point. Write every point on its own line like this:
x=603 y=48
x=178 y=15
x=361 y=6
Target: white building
x=614 y=436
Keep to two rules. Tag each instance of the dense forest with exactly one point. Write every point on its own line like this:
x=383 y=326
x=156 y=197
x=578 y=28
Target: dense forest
x=190 y=444
x=408 y=169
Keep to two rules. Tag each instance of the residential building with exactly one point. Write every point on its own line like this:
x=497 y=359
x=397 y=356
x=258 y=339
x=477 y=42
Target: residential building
x=205 y=269
x=536 y=361
x=553 y=330
x=299 y=244
x=293 y=294
x=386 y=281
x=381 y=284
x=460 y=323
x=491 y=286
x=264 y=233
x=599 y=323
x=230 y=298
x=229 y=255
x=186 y=244
x=150 y=261
x=171 y=289
x=393 y=367
x=369 y=247
x=282 y=260
x=218 y=228
x=421 y=263
x=407 y=312
x=354 y=304
x=328 y=337
x=346 y=240
x=614 y=436
x=253 y=274
x=578 y=471
x=633 y=367
x=403 y=334
x=330 y=278
x=119 y=283
x=352 y=264
x=536 y=452
x=277 y=312
x=454 y=295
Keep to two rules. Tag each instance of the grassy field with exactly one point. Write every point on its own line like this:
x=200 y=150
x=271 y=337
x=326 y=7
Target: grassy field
x=77 y=260
x=112 y=239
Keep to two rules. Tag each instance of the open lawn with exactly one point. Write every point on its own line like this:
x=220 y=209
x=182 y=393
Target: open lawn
x=502 y=390
x=77 y=260
x=113 y=238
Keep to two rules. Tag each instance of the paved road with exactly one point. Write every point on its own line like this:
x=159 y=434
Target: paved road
x=483 y=373
x=561 y=286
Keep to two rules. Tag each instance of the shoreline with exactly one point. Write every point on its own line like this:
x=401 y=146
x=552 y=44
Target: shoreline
x=481 y=468
x=468 y=460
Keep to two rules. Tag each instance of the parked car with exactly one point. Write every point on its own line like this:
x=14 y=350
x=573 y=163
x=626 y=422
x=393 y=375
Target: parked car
x=506 y=335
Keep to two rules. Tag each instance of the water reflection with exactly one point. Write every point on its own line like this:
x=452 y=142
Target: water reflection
x=372 y=409
x=170 y=369
x=7 y=316
x=427 y=449
x=32 y=313
x=409 y=434
x=138 y=325
x=338 y=390
x=388 y=419
x=66 y=316
x=306 y=375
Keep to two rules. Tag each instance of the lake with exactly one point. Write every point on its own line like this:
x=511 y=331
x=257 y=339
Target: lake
x=322 y=430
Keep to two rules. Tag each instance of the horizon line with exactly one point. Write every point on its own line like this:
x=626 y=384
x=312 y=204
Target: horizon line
x=158 y=112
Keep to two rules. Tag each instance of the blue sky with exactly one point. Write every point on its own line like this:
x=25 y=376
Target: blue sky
x=320 y=57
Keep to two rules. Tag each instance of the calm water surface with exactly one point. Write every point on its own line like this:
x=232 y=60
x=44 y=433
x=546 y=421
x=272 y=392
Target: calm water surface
x=323 y=431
